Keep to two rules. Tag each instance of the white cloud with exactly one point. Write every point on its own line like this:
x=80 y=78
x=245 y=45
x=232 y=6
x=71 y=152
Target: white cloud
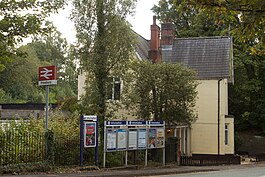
x=141 y=21
x=64 y=24
x=143 y=17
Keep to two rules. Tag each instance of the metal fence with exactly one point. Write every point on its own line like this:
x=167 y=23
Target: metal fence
x=203 y=160
x=18 y=148
x=260 y=157
x=66 y=150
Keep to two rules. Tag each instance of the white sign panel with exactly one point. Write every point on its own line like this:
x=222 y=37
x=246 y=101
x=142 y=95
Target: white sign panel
x=122 y=139
x=111 y=139
x=133 y=139
x=142 y=138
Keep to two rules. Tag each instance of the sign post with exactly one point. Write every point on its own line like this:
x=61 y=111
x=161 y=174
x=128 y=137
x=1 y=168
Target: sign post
x=46 y=107
x=47 y=76
x=133 y=135
x=88 y=136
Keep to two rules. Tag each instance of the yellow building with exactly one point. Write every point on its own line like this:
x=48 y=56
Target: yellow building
x=211 y=58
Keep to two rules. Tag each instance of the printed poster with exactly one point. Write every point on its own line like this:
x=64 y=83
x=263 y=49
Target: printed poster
x=142 y=138
x=122 y=139
x=133 y=139
x=152 y=138
x=111 y=139
x=160 y=137
x=90 y=134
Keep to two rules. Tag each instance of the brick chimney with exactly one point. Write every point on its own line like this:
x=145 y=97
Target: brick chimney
x=154 y=53
x=167 y=36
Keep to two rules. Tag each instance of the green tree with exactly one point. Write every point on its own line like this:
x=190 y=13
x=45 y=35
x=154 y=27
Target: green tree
x=247 y=29
x=188 y=20
x=244 y=21
x=247 y=95
x=19 y=79
x=168 y=89
x=51 y=46
x=246 y=16
x=46 y=50
x=5 y=97
x=104 y=47
x=246 y=99
x=54 y=49
x=19 y=19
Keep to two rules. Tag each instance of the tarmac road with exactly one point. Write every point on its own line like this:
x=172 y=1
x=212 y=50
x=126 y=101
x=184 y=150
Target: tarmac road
x=248 y=172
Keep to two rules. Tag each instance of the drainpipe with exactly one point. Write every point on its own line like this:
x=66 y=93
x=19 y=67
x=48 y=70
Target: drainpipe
x=218 y=116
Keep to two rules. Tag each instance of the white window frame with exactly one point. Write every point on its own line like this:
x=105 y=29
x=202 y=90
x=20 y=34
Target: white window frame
x=114 y=81
x=226 y=134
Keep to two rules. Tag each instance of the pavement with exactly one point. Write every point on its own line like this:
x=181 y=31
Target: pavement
x=134 y=171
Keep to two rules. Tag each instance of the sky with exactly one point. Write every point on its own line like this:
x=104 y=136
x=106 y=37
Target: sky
x=141 y=21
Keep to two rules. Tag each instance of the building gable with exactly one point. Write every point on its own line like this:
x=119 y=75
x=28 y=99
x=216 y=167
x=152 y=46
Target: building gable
x=208 y=56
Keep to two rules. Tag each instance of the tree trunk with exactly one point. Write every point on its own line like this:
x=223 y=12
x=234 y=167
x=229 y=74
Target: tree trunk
x=155 y=104
x=100 y=69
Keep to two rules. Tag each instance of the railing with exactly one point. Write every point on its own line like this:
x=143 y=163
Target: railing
x=260 y=157
x=17 y=148
x=20 y=149
x=66 y=150
x=203 y=160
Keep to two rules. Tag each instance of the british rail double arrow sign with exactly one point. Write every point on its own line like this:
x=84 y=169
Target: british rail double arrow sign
x=47 y=75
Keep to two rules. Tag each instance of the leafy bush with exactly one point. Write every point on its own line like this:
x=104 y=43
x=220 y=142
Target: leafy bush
x=5 y=97
x=23 y=141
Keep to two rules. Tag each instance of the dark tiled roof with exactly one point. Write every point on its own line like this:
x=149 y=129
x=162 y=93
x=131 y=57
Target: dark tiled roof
x=142 y=47
x=210 y=57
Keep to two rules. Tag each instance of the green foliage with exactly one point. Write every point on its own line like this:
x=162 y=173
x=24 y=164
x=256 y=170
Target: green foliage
x=23 y=69
x=247 y=95
x=4 y=97
x=238 y=141
x=19 y=144
x=188 y=20
x=105 y=45
x=164 y=91
x=19 y=20
x=54 y=49
x=244 y=21
x=51 y=47
x=250 y=14
x=44 y=51
x=115 y=159
x=248 y=92
x=70 y=104
x=63 y=125
x=23 y=141
x=59 y=123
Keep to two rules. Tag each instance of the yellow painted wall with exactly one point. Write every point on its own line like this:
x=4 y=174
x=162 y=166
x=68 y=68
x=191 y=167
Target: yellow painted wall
x=203 y=138
x=204 y=132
